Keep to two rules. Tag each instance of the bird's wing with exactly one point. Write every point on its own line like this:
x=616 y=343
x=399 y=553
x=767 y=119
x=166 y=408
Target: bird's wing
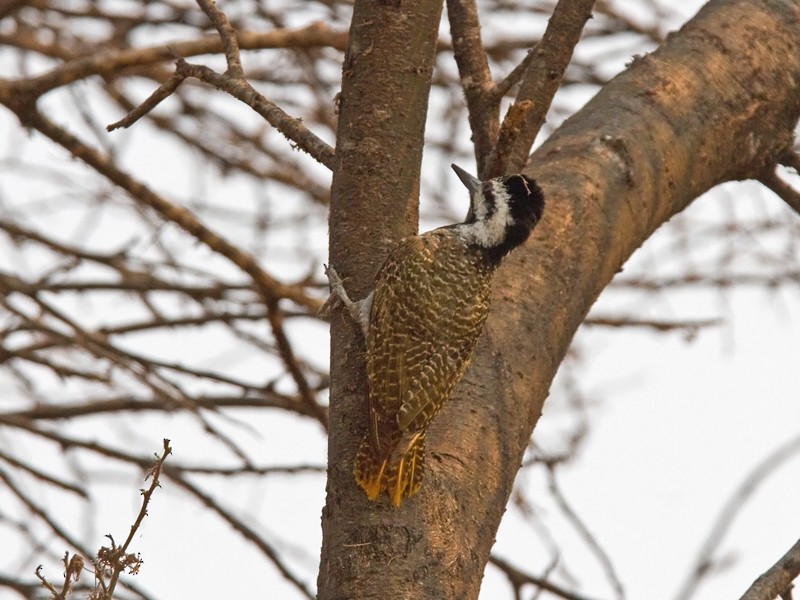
x=424 y=326
x=432 y=382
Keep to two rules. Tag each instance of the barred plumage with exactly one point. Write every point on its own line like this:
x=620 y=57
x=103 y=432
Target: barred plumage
x=427 y=310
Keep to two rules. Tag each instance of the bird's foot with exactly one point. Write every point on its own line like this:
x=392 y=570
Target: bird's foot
x=359 y=310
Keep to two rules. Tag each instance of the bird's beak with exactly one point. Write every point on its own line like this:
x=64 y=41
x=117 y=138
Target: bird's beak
x=473 y=183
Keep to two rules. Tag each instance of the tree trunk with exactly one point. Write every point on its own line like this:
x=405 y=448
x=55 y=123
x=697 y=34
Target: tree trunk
x=718 y=102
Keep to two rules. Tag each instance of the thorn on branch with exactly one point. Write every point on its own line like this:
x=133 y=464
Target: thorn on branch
x=45 y=583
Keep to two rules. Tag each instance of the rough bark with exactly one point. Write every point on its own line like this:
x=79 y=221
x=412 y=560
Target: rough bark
x=386 y=81
x=718 y=102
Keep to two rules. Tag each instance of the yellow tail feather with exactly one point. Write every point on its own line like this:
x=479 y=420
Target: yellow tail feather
x=369 y=470
x=402 y=478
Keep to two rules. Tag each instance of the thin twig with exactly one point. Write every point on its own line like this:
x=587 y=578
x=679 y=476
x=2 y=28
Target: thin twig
x=38 y=474
x=176 y=476
x=293 y=366
x=245 y=530
x=42 y=513
x=766 y=280
x=658 y=325
x=234 y=83
x=518 y=578
x=502 y=87
x=291 y=127
x=121 y=552
x=112 y=63
x=164 y=91
x=122 y=404
x=580 y=526
x=782 y=189
x=705 y=557
x=267 y=285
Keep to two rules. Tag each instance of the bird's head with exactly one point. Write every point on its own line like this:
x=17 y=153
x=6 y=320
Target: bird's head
x=502 y=213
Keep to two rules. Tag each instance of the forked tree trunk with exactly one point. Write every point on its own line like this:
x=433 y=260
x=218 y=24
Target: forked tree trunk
x=718 y=102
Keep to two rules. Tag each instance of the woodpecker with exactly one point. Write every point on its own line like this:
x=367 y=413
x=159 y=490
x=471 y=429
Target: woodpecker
x=422 y=320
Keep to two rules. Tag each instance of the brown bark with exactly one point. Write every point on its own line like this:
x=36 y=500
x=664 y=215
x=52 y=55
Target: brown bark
x=718 y=102
x=777 y=580
x=386 y=80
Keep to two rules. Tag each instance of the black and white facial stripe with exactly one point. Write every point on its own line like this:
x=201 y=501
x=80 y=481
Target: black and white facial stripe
x=503 y=212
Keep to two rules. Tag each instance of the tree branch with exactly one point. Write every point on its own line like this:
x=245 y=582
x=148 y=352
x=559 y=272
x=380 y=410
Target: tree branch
x=238 y=87
x=651 y=141
x=226 y=35
x=114 y=63
x=777 y=580
x=483 y=109
x=268 y=286
x=291 y=127
x=704 y=560
x=782 y=189
x=519 y=578
x=545 y=67
x=689 y=326
x=594 y=546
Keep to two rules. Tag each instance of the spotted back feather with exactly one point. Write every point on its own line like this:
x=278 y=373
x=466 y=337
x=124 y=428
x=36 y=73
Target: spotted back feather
x=420 y=340
x=429 y=305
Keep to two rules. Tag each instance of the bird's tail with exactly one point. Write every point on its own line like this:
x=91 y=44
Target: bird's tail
x=399 y=473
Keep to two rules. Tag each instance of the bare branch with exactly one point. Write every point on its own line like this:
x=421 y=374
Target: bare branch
x=90 y=407
x=690 y=326
x=292 y=128
x=112 y=63
x=39 y=474
x=777 y=580
x=782 y=189
x=164 y=91
x=483 y=110
x=519 y=578
x=514 y=77
x=539 y=84
x=241 y=526
x=227 y=35
x=234 y=82
x=120 y=554
x=705 y=557
x=711 y=281
x=176 y=476
x=580 y=527
x=41 y=512
x=268 y=286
